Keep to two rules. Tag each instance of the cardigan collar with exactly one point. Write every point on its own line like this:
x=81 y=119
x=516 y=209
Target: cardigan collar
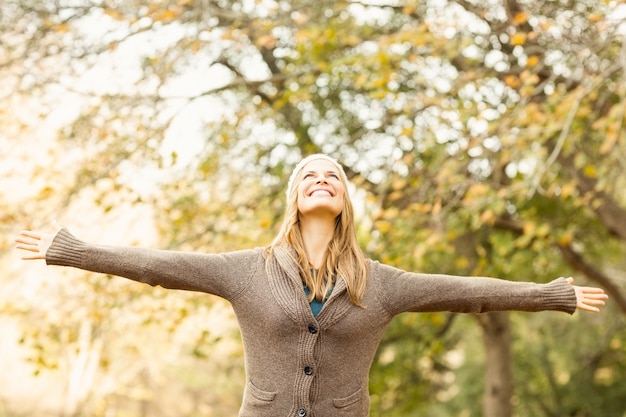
x=286 y=284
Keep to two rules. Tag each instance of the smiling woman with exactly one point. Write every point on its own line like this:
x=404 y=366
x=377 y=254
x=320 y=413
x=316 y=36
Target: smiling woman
x=312 y=309
x=319 y=227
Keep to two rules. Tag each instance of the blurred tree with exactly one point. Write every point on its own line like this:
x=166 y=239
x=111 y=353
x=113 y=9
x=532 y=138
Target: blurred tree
x=485 y=135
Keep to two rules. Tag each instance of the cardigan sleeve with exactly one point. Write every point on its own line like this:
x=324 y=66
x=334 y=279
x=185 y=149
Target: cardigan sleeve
x=225 y=275
x=402 y=291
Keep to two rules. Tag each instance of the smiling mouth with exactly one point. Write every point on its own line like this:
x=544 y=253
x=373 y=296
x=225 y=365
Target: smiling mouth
x=320 y=193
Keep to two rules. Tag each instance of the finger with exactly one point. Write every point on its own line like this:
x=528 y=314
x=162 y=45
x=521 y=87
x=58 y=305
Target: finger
x=27 y=241
x=596 y=296
x=56 y=226
x=592 y=290
x=32 y=253
x=31 y=234
x=569 y=280
x=594 y=302
x=30 y=248
x=32 y=258
x=588 y=308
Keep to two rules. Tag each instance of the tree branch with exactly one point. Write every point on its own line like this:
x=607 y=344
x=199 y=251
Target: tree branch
x=576 y=261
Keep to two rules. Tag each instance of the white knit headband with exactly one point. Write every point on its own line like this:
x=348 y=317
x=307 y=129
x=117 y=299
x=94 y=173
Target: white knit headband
x=308 y=159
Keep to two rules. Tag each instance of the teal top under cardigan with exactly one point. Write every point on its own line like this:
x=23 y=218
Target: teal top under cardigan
x=316 y=305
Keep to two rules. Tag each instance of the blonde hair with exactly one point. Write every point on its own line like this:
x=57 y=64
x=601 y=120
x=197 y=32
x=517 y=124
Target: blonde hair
x=344 y=257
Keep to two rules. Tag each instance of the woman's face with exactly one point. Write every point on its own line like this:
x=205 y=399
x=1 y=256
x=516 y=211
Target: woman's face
x=320 y=190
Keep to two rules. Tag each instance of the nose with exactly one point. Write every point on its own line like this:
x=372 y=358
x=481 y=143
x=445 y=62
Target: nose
x=322 y=179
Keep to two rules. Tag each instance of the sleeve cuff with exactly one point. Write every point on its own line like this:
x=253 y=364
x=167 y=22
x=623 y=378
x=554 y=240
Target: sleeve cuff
x=65 y=250
x=559 y=295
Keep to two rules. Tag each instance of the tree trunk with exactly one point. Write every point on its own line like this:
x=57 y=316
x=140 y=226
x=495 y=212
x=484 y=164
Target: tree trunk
x=499 y=375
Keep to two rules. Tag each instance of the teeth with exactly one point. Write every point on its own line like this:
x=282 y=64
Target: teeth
x=321 y=193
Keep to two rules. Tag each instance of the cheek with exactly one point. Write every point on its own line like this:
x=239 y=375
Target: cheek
x=342 y=192
x=302 y=186
x=300 y=193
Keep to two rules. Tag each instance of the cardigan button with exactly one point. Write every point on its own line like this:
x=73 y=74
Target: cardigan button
x=308 y=370
x=301 y=412
x=312 y=328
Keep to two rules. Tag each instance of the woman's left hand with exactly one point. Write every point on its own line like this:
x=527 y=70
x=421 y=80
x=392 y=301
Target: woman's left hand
x=588 y=297
x=36 y=244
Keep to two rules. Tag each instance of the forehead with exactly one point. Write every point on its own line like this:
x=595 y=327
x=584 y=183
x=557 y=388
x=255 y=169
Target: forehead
x=320 y=165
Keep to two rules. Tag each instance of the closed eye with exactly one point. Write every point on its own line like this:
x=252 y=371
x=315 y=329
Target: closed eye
x=330 y=174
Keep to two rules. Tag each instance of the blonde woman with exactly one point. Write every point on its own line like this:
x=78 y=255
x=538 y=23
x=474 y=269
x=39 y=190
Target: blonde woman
x=312 y=309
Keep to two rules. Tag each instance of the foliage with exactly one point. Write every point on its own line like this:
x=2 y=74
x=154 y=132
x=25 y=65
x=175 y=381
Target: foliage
x=553 y=372
x=486 y=138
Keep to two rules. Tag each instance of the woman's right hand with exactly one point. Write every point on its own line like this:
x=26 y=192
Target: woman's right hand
x=36 y=244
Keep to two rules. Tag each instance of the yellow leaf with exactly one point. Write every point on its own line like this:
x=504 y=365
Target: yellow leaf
x=474 y=192
x=532 y=61
x=165 y=15
x=407 y=131
x=545 y=26
x=568 y=190
x=114 y=13
x=520 y=18
x=512 y=81
x=46 y=192
x=529 y=228
x=543 y=230
x=590 y=171
x=421 y=208
x=266 y=41
x=518 y=38
x=461 y=262
x=396 y=195
x=487 y=216
x=62 y=27
x=195 y=45
x=383 y=226
x=610 y=140
x=566 y=238
x=529 y=78
x=595 y=17
x=391 y=213
x=436 y=208
x=399 y=183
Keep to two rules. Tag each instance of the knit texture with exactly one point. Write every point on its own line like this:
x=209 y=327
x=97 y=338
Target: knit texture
x=295 y=362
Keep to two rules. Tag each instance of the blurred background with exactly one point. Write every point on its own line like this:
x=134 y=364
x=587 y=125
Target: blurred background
x=481 y=137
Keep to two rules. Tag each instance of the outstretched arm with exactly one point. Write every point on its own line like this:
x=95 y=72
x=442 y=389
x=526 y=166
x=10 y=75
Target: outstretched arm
x=587 y=298
x=224 y=274
x=405 y=291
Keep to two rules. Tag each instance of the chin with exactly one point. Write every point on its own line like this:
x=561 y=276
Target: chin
x=320 y=208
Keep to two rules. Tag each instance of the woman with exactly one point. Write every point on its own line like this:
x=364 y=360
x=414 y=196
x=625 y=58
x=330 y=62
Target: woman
x=311 y=307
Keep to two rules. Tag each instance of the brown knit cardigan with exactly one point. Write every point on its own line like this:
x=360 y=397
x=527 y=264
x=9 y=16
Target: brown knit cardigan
x=298 y=365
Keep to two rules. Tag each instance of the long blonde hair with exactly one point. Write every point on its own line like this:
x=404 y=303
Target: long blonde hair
x=344 y=257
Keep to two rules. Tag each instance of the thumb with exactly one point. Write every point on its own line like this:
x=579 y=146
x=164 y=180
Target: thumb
x=56 y=226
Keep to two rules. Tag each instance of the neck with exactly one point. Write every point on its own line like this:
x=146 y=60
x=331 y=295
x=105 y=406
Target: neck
x=316 y=235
